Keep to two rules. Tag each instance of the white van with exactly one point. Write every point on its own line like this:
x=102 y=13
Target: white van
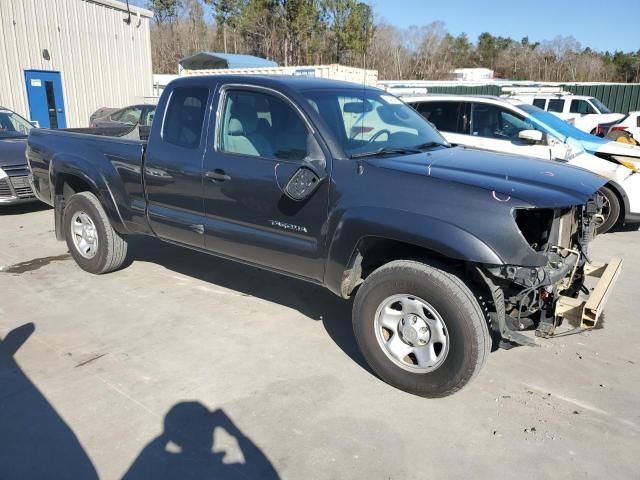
x=586 y=113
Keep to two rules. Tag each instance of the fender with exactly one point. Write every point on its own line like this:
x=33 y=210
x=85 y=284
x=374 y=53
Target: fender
x=621 y=193
x=427 y=232
x=76 y=166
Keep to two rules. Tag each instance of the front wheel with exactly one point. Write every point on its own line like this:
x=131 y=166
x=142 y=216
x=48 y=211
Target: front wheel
x=420 y=328
x=610 y=213
x=94 y=244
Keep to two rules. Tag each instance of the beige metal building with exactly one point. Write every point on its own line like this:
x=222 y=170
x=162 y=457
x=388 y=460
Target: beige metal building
x=60 y=60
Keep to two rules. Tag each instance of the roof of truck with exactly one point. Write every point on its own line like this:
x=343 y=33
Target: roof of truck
x=287 y=81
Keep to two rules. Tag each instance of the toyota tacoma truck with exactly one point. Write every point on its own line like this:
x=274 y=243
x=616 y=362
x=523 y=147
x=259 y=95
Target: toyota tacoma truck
x=447 y=251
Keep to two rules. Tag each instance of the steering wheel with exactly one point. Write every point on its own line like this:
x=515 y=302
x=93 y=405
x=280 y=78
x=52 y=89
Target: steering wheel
x=377 y=134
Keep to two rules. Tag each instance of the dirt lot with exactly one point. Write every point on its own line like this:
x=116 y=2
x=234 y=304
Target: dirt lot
x=186 y=366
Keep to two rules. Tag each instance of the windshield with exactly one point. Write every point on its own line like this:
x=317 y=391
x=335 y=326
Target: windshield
x=553 y=124
x=13 y=125
x=367 y=121
x=599 y=105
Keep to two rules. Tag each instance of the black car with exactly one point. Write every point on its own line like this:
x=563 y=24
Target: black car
x=133 y=115
x=14 y=182
x=444 y=248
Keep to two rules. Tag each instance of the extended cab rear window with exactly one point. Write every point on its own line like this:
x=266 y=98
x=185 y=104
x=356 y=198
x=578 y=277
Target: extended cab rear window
x=556 y=105
x=185 y=116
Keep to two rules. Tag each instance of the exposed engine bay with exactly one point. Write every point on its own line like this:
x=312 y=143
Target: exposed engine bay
x=540 y=297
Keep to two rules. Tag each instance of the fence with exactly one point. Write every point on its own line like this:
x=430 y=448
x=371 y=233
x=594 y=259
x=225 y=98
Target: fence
x=619 y=97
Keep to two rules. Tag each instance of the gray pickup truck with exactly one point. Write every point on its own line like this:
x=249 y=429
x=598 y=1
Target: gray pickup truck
x=447 y=250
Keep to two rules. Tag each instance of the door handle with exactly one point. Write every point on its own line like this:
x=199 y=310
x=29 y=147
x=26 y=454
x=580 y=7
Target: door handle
x=217 y=175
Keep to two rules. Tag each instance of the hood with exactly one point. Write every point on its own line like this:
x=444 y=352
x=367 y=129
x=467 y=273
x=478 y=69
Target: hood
x=12 y=151
x=540 y=183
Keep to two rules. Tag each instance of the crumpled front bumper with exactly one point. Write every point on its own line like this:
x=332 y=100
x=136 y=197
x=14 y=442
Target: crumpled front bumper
x=586 y=312
x=569 y=295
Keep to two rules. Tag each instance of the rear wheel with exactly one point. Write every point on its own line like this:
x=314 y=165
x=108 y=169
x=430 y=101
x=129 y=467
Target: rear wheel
x=610 y=213
x=420 y=328
x=94 y=244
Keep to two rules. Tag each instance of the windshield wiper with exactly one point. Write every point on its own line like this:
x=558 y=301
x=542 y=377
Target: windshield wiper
x=429 y=145
x=386 y=151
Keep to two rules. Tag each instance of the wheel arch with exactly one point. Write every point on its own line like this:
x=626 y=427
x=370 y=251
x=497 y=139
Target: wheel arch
x=68 y=179
x=360 y=246
x=623 y=199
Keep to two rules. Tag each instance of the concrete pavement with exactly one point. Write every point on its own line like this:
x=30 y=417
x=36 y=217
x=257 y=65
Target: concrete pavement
x=187 y=366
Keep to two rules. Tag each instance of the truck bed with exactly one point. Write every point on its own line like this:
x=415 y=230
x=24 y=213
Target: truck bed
x=108 y=160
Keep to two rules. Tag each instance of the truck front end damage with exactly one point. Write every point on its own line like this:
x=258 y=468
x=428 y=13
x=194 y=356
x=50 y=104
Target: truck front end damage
x=561 y=286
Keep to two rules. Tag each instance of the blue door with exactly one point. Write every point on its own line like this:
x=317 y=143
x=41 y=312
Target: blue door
x=46 y=103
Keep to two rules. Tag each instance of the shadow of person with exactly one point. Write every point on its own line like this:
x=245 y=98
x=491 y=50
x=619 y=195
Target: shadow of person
x=186 y=449
x=35 y=442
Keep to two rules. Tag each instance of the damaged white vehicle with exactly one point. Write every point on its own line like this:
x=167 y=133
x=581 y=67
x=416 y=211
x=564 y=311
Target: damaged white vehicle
x=510 y=126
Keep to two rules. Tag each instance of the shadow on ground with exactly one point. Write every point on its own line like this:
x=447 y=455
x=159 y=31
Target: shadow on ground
x=23 y=208
x=313 y=301
x=35 y=442
x=186 y=449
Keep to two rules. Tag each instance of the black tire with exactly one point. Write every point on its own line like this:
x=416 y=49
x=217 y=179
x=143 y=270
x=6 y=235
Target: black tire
x=613 y=210
x=467 y=330
x=111 y=247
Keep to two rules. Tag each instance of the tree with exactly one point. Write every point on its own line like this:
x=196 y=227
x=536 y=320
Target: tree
x=486 y=50
x=461 y=49
x=196 y=26
x=299 y=32
x=164 y=11
x=351 y=27
x=226 y=14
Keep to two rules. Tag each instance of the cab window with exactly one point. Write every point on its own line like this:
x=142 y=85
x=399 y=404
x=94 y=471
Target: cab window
x=259 y=124
x=556 y=105
x=491 y=121
x=446 y=116
x=185 y=116
x=582 y=107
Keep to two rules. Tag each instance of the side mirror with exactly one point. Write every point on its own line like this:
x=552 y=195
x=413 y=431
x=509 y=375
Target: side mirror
x=302 y=184
x=530 y=136
x=34 y=123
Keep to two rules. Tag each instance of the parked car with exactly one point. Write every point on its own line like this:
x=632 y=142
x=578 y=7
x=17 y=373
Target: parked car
x=510 y=126
x=262 y=170
x=585 y=112
x=626 y=130
x=101 y=112
x=134 y=115
x=14 y=184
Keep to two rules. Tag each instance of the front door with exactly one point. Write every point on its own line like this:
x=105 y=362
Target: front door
x=46 y=102
x=496 y=128
x=262 y=140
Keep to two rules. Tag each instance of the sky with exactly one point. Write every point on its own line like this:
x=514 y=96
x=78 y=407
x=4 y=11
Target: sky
x=593 y=23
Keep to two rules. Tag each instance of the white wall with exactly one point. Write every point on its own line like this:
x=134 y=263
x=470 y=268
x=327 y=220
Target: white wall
x=102 y=60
